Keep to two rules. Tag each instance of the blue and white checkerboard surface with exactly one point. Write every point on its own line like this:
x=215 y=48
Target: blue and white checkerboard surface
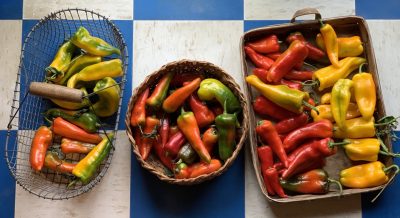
x=161 y=31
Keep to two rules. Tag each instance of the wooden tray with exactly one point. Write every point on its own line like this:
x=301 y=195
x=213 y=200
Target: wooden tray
x=344 y=26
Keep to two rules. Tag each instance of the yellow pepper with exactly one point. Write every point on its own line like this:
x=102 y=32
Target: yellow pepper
x=326 y=98
x=356 y=128
x=331 y=43
x=109 y=93
x=366 y=149
x=55 y=72
x=326 y=113
x=365 y=94
x=348 y=46
x=329 y=75
x=366 y=175
x=73 y=105
x=340 y=101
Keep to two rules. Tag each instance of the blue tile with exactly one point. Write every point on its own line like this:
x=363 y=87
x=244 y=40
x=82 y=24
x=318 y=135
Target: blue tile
x=10 y=9
x=249 y=25
x=221 y=197
x=386 y=205
x=188 y=10
x=7 y=183
x=371 y=9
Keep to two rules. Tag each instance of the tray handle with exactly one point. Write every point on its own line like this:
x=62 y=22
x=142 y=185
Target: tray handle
x=47 y=90
x=306 y=11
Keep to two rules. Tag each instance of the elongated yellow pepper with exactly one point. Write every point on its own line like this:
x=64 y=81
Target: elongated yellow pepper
x=356 y=128
x=365 y=94
x=340 y=101
x=326 y=113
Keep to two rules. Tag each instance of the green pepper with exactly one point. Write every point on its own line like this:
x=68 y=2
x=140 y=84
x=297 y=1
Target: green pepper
x=187 y=154
x=108 y=92
x=214 y=89
x=93 y=45
x=159 y=93
x=86 y=120
x=87 y=167
x=226 y=125
x=77 y=64
x=59 y=65
x=112 y=68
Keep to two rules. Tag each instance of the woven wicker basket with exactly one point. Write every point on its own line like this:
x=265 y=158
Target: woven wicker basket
x=209 y=71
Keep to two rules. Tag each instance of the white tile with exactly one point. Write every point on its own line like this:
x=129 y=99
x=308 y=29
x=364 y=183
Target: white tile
x=109 y=198
x=159 y=42
x=284 y=10
x=10 y=42
x=385 y=36
x=114 y=9
x=256 y=205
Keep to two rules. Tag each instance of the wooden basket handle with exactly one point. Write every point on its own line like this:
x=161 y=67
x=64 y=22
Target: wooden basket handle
x=53 y=91
x=306 y=11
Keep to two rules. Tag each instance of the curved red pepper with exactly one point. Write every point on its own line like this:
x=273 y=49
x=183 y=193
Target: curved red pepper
x=273 y=179
x=158 y=146
x=265 y=107
x=138 y=116
x=314 y=53
x=203 y=168
x=204 y=116
x=40 y=143
x=301 y=75
x=210 y=138
x=290 y=124
x=66 y=129
x=175 y=143
x=267 y=161
x=258 y=60
x=296 y=53
x=266 y=44
x=148 y=141
x=262 y=75
x=319 y=129
x=70 y=146
x=266 y=130
x=274 y=56
x=178 y=97
x=291 y=84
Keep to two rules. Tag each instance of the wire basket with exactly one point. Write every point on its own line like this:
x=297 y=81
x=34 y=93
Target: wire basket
x=39 y=48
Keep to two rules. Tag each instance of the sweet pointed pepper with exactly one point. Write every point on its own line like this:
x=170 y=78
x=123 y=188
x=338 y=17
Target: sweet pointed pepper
x=267 y=44
x=108 y=92
x=258 y=60
x=138 y=116
x=77 y=64
x=85 y=120
x=160 y=91
x=365 y=93
x=348 y=46
x=210 y=138
x=226 y=126
x=204 y=116
x=53 y=162
x=178 y=97
x=314 y=53
x=69 y=146
x=148 y=136
x=340 y=101
x=40 y=143
x=66 y=129
x=331 y=43
x=59 y=66
x=356 y=128
x=325 y=112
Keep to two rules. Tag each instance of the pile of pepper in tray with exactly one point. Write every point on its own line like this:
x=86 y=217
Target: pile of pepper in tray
x=296 y=135
x=189 y=120
x=78 y=64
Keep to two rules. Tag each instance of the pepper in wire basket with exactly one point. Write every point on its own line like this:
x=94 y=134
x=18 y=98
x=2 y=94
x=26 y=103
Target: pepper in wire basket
x=108 y=92
x=58 y=67
x=77 y=64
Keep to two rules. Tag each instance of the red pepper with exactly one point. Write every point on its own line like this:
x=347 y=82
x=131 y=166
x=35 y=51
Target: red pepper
x=275 y=56
x=175 y=143
x=314 y=53
x=266 y=130
x=178 y=97
x=291 y=84
x=160 y=151
x=312 y=164
x=204 y=116
x=319 y=129
x=53 y=162
x=217 y=109
x=210 y=138
x=66 y=129
x=265 y=107
x=203 y=168
x=315 y=150
x=159 y=93
x=182 y=171
x=164 y=131
x=172 y=131
x=138 y=117
x=262 y=75
x=180 y=78
x=70 y=146
x=137 y=136
x=149 y=138
x=273 y=179
x=40 y=143
x=301 y=75
x=290 y=124
x=296 y=53
x=266 y=44
x=258 y=60
x=266 y=160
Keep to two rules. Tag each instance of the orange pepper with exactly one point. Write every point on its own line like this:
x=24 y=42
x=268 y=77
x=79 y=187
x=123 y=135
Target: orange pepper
x=204 y=168
x=41 y=141
x=176 y=99
x=66 y=129
x=149 y=136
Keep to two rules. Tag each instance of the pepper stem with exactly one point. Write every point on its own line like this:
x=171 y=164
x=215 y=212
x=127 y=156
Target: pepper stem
x=332 y=144
x=384 y=147
x=225 y=107
x=386 y=153
x=182 y=110
x=360 y=67
x=338 y=184
x=387 y=120
x=320 y=22
x=310 y=65
x=310 y=83
x=310 y=106
x=394 y=166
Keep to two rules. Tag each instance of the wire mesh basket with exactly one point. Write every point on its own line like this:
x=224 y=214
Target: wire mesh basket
x=39 y=48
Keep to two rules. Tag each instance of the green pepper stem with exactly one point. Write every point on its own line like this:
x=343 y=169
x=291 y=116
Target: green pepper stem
x=360 y=67
x=182 y=110
x=394 y=166
x=225 y=107
x=338 y=184
x=310 y=106
x=331 y=144
x=310 y=65
x=389 y=154
x=310 y=83
x=391 y=120
x=384 y=147
x=320 y=22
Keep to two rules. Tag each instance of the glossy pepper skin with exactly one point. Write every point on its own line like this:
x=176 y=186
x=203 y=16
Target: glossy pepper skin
x=160 y=91
x=314 y=53
x=204 y=116
x=111 y=68
x=78 y=64
x=273 y=179
x=87 y=167
x=366 y=149
x=331 y=43
x=210 y=138
x=226 y=126
x=148 y=139
x=319 y=129
x=290 y=99
x=315 y=181
x=69 y=146
x=328 y=76
x=91 y=44
x=188 y=125
x=178 y=97
x=356 y=128
x=365 y=175
x=40 y=143
x=262 y=75
x=73 y=105
x=296 y=53
x=187 y=154
x=290 y=124
x=258 y=60
x=267 y=44
x=264 y=107
x=266 y=161
x=138 y=116
x=300 y=75
x=87 y=120
x=203 y=168
x=109 y=93
x=214 y=89
x=340 y=101
x=348 y=46
x=180 y=78
x=59 y=66
x=266 y=130
x=160 y=152
x=365 y=94
x=182 y=171
x=53 y=162
x=325 y=112
x=174 y=144
x=66 y=129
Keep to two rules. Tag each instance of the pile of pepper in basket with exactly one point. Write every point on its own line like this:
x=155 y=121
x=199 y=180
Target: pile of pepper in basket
x=189 y=122
x=296 y=133
x=78 y=64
